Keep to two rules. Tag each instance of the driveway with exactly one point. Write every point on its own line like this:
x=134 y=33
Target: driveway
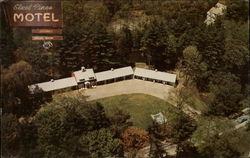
x=131 y=87
x=128 y=87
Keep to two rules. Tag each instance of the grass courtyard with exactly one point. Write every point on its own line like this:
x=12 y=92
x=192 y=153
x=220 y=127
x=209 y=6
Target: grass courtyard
x=139 y=106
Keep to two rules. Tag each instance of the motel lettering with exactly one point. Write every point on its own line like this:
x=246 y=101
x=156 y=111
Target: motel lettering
x=34 y=13
x=36 y=17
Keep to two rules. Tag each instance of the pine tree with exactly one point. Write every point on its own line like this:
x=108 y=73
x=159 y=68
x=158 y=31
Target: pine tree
x=154 y=43
x=124 y=45
x=100 y=49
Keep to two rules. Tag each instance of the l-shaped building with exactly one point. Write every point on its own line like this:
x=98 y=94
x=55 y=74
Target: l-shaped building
x=87 y=78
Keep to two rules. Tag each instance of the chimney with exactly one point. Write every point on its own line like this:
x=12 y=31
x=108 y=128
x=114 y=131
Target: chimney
x=83 y=68
x=52 y=80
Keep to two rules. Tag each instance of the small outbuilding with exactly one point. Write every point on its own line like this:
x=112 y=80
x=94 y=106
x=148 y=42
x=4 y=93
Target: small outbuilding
x=155 y=76
x=114 y=75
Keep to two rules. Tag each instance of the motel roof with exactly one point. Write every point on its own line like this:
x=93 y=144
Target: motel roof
x=53 y=85
x=84 y=75
x=157 y=75
x=114 y=73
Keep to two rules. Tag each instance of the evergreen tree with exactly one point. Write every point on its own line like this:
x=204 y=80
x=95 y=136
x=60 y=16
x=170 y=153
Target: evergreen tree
x=119 y=122
x=125 y=45
x=101 y=48
x=192 y=64
x=237 y=10
x=10 y=135
x=182 y=127
x=215 y=137
x=225 y=94
x=7 y=45
x=73 y=50
x=101 y=143
x=154 y=44
x=157 y=134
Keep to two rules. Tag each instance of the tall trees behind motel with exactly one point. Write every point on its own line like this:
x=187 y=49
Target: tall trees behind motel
x=125 y=45
x=158 y=46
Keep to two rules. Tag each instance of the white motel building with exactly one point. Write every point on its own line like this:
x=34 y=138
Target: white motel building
x=87 y=78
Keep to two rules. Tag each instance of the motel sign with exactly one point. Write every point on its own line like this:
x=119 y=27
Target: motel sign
x=34 y=13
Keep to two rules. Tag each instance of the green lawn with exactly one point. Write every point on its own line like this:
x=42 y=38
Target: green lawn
x=139 y=106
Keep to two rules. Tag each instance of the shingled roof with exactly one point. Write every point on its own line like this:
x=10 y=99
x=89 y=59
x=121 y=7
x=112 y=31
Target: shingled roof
x=114 y=73
x=155 y=75
x=52 y=85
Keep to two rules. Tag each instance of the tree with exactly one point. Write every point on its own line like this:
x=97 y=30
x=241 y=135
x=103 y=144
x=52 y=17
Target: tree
x=237 y=10
x=7 y=45
x=134 y=139
x=225 y=94
x=15 y=81
x=157 y=134
x=86 y=40
x=119 y=122
x=64 y=121
x=45 y=63
x=215 y=137
x=10 y=135
x=101 y=143
x=28 y=141
x=154 y=43
x=182 y=127
x=98 y=12
x=171 y=51
x=73 y=51
x=193 y=66
x=101 y=50
x=180 y=25
x=113 y=6
x=236 y=47
x=124 y=45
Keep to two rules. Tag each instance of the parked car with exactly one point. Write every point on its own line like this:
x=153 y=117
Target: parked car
x=242 y=119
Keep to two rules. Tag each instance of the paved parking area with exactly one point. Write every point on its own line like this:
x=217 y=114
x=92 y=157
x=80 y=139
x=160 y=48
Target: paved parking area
x=128 y=87
x=131 y=87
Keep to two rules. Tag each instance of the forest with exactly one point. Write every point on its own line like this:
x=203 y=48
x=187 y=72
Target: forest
x=212 y=60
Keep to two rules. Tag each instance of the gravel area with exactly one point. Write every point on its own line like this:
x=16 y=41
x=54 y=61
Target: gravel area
x=128 y=87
